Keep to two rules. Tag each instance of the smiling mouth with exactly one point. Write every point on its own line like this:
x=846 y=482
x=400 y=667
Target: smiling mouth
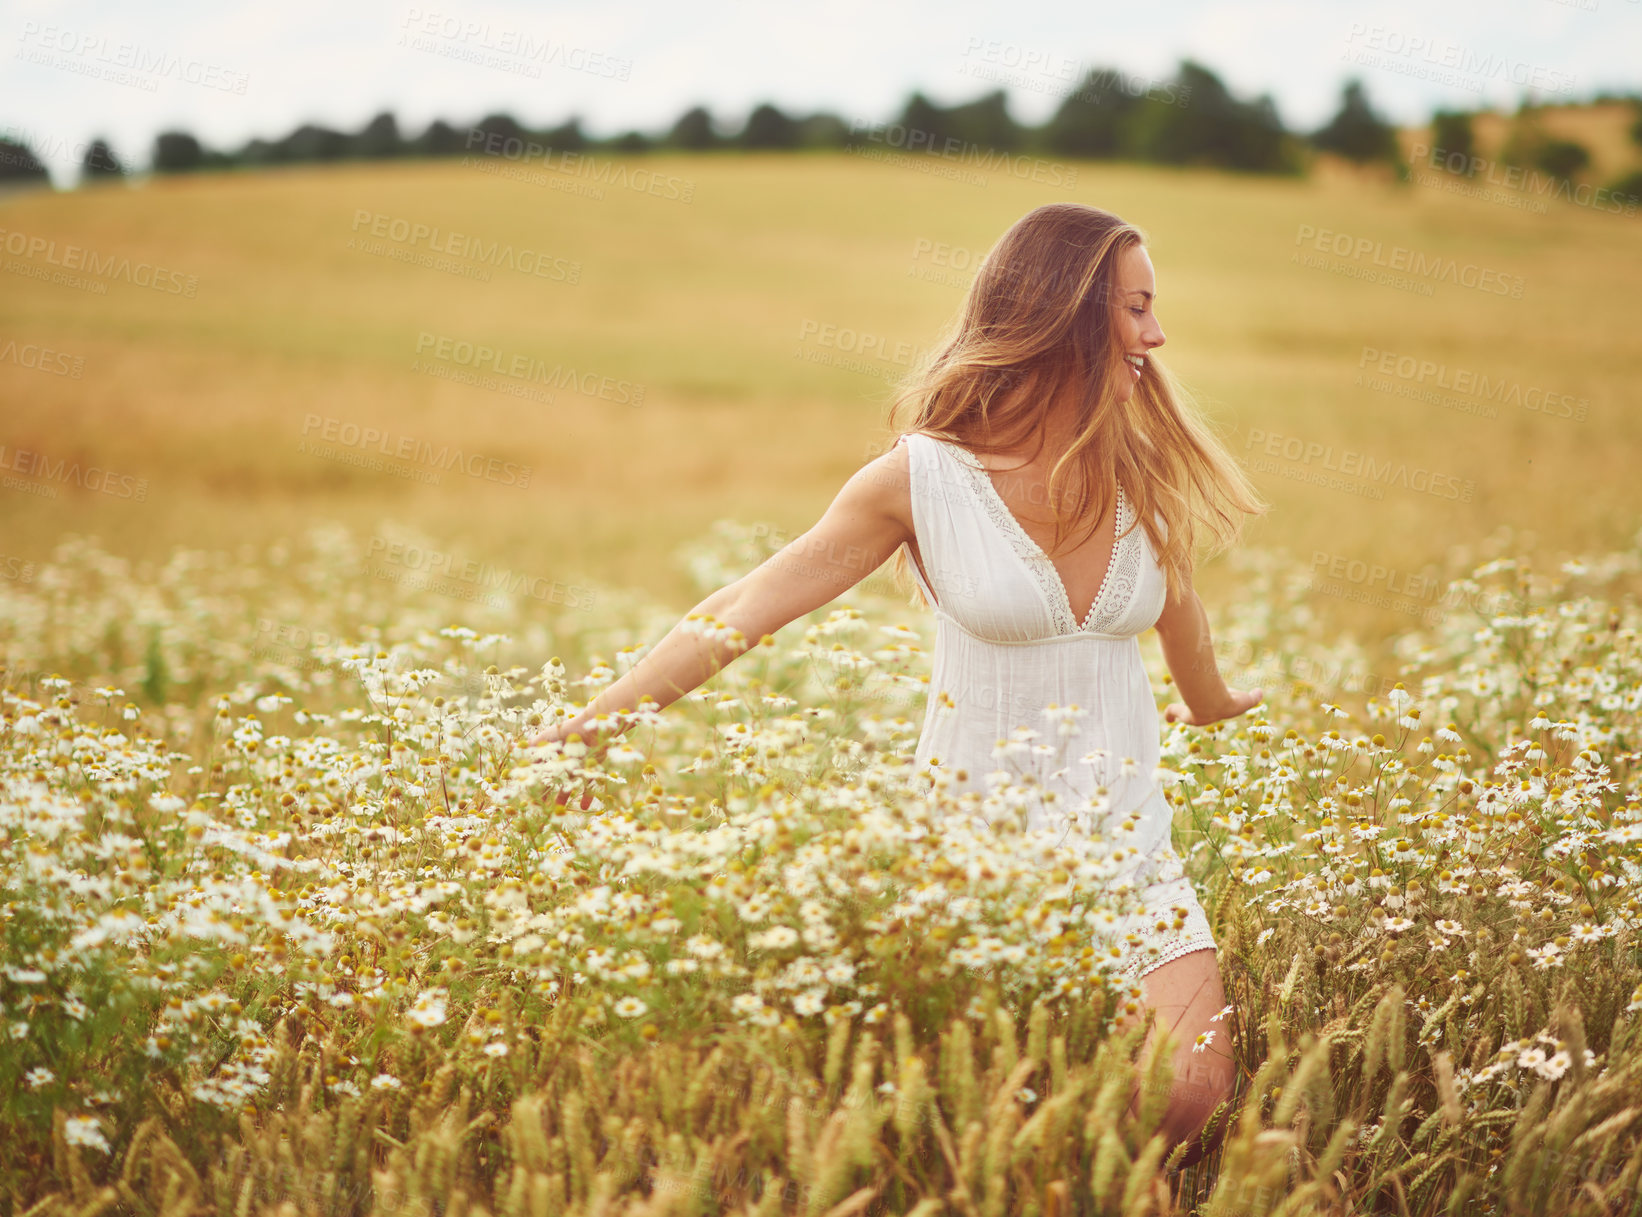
x=1137 y=362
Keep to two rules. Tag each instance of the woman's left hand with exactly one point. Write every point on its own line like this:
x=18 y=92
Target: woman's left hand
x=1238 y=702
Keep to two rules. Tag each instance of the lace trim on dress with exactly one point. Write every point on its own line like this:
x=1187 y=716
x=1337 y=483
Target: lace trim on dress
x=1043 y=570
x=1122 y=568
x=1119 y=513
x=1194 y=940
x=1122 y=573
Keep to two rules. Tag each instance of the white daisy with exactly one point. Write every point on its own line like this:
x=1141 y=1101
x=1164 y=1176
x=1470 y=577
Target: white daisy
x=84 y=1130
x=1556 y=1066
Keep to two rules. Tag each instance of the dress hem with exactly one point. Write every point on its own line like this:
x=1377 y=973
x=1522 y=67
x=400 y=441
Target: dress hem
x=1196 y=941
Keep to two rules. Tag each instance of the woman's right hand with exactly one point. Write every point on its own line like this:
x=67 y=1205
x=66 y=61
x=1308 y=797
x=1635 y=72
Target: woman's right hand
x=561 y=797
x=549 y=735
x=596 y=748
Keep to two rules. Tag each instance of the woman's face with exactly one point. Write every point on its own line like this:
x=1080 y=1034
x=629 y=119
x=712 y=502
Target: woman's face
x=1137 y=328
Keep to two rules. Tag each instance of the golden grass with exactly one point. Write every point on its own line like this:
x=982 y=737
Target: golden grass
x=704 y=303
x=357 y=961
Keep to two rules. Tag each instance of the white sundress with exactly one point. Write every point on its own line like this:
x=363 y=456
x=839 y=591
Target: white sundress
x=1007 y=646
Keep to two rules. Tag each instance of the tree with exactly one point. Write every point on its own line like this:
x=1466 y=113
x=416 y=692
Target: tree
x=1451 y=135
x=1562 y=158
x=982 y=123
x=631 y=142
x=1529 y=146
x=566 y=137
x=1195 y=120
x=440 y=139
x=492 y=133
x=1628 y=189
x=1262 y=141
x=1356 y=132
x=822 y=130
x=925 y=123
x=379 y=138
x=1191 y=119
x=768 y=127
x=177 y=152
x=262 y=152
x=1094 y=118
x=693 y=130
x=313 y=143
x=985 y=122
x=19 y=164
x=100 y=162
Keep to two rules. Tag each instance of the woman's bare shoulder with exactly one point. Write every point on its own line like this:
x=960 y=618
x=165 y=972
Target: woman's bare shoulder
x=886 y=479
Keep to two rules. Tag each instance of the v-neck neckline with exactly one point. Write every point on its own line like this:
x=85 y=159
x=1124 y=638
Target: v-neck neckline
x=1031 y=546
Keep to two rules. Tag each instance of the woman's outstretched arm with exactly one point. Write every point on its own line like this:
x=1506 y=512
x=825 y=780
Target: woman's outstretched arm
x=866 y=523
x=1183 y=628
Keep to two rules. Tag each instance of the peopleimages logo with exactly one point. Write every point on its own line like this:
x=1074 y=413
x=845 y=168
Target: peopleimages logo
x=130 y=63
x=41 y=144
x=1415 y=262
x=461 y=37
x=479 y=357
x=1429 y=58
x=1353 y=464
x=1469 y=168
x=1491 y=389
x=496 y=145
x=17 y=570
x=444 y=457
x=964 y=153
x=857 y=342
x=466 y=578
x=1426 y=594
x=42 y=359
x=106 y=266
x=43 y=473
x=430 y=239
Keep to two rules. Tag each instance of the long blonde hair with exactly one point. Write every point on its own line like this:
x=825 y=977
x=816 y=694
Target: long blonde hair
x=1038 y=325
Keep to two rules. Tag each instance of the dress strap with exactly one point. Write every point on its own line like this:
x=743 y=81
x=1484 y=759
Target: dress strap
x=916 y=480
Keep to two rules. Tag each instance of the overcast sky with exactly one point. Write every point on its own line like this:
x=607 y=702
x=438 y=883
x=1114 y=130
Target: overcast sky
x=229 y=71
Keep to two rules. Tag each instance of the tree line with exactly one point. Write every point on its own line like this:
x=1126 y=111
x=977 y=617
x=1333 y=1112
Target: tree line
x=1190 y=119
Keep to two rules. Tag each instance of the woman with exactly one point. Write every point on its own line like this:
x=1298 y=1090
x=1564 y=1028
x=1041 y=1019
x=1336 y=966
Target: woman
x=1045 y=392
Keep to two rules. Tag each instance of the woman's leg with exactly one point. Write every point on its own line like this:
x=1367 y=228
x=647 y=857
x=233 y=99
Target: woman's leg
x=1182 y=995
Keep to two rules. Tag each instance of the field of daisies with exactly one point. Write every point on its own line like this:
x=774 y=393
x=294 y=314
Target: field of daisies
x=292 y=920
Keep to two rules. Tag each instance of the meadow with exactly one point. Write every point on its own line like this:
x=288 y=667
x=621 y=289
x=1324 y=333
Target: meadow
x=292 y=923
x=728 y=346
